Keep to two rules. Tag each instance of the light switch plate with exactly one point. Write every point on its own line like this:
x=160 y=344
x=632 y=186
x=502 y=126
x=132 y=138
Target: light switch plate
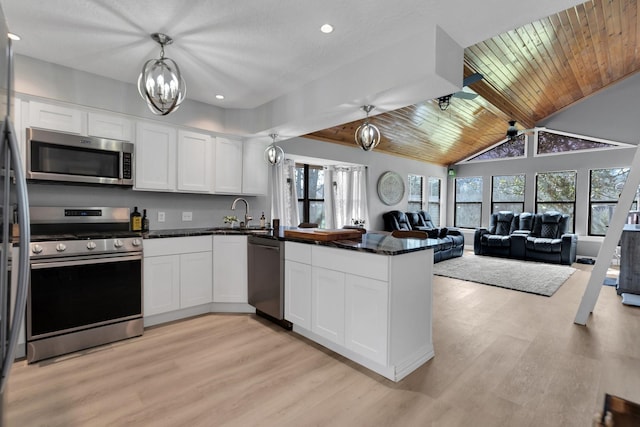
x=187 y=216
x=160 y=216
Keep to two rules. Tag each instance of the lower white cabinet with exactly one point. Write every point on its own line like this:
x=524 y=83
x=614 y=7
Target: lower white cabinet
x=366 y=317
x=195 y=279
x=297 y=299
x=161 y=284
x=177 y=273
x=327 y=306
x=230 y=269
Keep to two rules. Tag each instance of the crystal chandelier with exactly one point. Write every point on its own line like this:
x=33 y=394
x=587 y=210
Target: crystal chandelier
x=160 y=82
x=273 y=155
x=367 y=135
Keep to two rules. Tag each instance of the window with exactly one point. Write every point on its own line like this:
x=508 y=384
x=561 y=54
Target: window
x=433 y=201
x=507 y=193
x=556 y=191
x=605 y=186
x=416 y=193
x=310 y=191
x=468 y=202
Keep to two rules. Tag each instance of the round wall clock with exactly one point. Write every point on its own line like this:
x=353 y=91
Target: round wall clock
x=390 y=188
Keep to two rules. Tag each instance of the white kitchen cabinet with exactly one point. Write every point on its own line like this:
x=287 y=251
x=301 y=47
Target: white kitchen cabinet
x=177 y=273
x=255 y=178
x=161 y=284
x=366 y=317
x=327 y=310
x=297 y=284
x=155 y=157
x=109 y=126
x=195 y=279
x=228 y=166
x=230 y=269
x=57 y=118
x=195 y=162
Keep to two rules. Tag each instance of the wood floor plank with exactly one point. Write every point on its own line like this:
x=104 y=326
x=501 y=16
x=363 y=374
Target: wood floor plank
x=503 y=358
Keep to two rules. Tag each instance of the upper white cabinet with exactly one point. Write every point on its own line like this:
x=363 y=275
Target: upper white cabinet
x=109 y=126
x=228 y=166
x=195 y=162
x=57 y=118
x=155 y=157
x=255 y=179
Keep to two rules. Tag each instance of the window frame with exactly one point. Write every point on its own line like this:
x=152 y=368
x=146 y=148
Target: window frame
x=559 y=202
x=306 y=200
x=434 y=218
x=458 y=203
x=422 y=197
x=613 y=202
x=514 y=202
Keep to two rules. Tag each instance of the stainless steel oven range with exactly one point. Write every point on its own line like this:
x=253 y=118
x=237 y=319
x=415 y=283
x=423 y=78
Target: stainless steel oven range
x=86 y=280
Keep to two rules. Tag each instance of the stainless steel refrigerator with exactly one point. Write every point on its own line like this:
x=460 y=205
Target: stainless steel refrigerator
x=14 y=204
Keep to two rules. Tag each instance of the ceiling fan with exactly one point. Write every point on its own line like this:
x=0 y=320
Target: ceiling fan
x=513 y=133
x=444 y=101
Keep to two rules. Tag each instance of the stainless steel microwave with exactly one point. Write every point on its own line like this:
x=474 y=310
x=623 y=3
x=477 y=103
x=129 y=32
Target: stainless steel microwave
x=55 y=156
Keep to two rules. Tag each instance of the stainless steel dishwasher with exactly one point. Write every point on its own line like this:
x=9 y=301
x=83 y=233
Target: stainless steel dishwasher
x=266 y=278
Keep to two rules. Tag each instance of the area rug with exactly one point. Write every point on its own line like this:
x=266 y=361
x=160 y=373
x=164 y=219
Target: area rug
x=526 y=276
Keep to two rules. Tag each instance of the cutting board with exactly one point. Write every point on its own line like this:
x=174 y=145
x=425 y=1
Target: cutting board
x=323 y=235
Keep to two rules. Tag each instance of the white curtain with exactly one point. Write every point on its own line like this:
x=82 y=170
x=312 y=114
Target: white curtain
x=284 y=200
x=347 y=203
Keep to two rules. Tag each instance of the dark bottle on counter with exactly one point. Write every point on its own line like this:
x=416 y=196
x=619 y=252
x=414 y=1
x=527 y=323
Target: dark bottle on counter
x=136 y=220
x=145 y=221
x=262 y=220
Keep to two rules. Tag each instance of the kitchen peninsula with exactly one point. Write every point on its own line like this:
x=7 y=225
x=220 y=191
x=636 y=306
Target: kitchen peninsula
x=369 y=300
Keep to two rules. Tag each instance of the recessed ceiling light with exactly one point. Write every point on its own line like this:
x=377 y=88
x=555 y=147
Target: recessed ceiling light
x=13 y=36
x=327 y=28
x=220 y=97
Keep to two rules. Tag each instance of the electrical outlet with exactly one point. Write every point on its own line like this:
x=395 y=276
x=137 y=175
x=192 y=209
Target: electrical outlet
x=160 y=216
x=187 y=216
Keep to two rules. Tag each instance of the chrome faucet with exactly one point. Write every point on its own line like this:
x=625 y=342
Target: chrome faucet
x=247 y=218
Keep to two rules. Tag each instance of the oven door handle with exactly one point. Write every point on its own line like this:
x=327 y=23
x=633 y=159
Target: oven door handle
x=107 y=258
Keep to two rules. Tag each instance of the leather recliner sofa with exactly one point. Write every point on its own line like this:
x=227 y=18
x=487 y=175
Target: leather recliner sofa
x=537 y=237
x=450 y=240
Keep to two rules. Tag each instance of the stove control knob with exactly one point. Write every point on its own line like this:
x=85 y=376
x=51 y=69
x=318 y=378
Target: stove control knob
x=91 y=245
x=37 y=249
x=136 y=242
x=117 y=243
x=61 y=247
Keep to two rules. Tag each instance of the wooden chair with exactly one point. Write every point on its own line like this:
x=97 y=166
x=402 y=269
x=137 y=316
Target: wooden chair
x=410 y=234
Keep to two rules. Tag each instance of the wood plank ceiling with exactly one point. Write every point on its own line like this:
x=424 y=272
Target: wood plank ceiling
x=529 y=73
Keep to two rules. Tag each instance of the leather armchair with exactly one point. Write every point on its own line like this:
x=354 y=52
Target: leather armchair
x=549 y=240
x=496 y=240
x=396 y=220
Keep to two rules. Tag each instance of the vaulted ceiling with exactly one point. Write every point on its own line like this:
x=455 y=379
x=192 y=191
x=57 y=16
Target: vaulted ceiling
x=529 y=73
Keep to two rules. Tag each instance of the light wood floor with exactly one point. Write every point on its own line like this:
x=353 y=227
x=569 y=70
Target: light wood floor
x=503 y=358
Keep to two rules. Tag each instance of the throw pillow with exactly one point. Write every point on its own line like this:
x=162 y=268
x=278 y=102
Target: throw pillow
x=443 y=232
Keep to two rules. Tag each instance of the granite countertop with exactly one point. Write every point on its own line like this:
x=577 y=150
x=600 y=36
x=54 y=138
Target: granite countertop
x=378 y=242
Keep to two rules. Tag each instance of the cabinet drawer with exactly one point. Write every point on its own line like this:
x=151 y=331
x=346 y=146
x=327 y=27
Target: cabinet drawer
x=299 y=252
x=176 y=245
x=359 y=263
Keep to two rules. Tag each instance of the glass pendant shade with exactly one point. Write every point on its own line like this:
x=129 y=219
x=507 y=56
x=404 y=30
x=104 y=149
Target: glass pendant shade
x=273 y=155
x=367 y=135
x=160 y=83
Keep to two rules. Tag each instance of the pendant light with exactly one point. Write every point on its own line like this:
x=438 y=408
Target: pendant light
x=367 y=135
x=273 y=155
x=160 y=82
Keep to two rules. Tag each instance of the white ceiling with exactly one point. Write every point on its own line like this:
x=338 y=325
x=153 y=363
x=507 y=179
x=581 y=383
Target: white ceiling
x=268 y=57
